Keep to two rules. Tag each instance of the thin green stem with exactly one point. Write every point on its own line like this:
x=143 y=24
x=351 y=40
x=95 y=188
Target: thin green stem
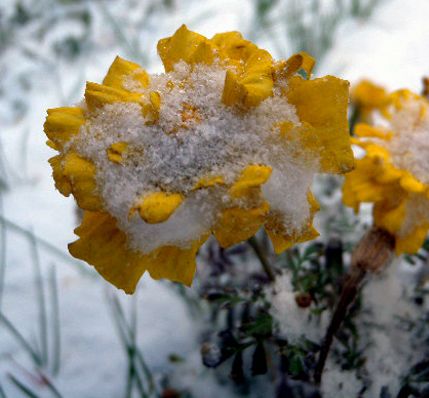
x=56 y=332
x=20 y=339
x=2 y=253
x=40 y=291
x=261 y=257
x=23 y=388
x=122 y=37
x=51 y=386
x=127 y=337
x=43 y=243
x=2 y=393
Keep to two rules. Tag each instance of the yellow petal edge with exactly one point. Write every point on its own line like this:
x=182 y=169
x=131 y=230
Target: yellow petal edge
x=105 y=246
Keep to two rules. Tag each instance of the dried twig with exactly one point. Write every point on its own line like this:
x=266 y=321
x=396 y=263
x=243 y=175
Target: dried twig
x=372 y=254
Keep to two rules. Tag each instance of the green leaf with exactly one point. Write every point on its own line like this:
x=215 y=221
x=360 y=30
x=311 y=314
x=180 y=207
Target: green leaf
x=261 y=326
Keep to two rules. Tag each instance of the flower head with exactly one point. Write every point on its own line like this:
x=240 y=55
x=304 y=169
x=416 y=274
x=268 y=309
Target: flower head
x=394 y=173
x=226 y=141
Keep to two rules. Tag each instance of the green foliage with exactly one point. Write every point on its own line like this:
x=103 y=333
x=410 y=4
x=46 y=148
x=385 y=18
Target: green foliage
x=139 y=375
x=309 y=26
x=259 y=327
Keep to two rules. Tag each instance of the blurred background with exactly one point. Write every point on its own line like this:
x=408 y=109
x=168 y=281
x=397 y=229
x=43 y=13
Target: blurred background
x=63 y=331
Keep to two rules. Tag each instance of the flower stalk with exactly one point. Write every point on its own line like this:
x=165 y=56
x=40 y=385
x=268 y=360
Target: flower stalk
x=372 y=254
x=262 y=259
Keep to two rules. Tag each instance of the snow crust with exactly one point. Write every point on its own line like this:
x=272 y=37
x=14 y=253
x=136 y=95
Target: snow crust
x=173 y=154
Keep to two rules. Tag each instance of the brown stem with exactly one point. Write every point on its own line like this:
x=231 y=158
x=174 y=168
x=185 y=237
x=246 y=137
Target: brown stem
x=425 y=89
x=262 y=259
x=372 y=254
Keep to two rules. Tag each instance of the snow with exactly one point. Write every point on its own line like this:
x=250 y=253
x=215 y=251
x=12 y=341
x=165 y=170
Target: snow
x=340 y=383
x=409 y=145
x=293 y=322
x=388 y=48
x=388 y=306
x=175 y=153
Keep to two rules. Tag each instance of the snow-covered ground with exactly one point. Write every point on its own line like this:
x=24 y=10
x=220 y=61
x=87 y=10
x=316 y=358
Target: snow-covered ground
x=390 y=48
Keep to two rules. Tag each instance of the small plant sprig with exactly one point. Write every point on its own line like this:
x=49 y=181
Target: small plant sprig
x=45 y=352
x=243 y=334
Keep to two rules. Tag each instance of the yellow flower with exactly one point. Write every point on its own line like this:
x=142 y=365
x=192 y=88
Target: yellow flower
x=394 y=173
x=368 y=97
x=225 y=142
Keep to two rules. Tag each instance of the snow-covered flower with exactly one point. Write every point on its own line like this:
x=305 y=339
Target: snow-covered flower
x=394 y=173
x=226 y=141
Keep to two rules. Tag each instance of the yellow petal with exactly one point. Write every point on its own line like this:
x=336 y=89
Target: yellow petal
x=308 y=63
x=389 y=217
x=62 y=183
x=98 y=95
x=203 y=54
x=322 y=103
x=361 y=186
x=285 y=129
x=63 y=123
x=349 y=196
x=400 y=97
x=52 y=145
x=365 y=130
x=280 y=242
x=151 y=110
x=233 y=47
x=174 y=263
x=80 y=173
x=233 y=91
x=377 y=152
x=301 y=137
x=236 y=224
x=121 y=69
x=411 y=184
x=413 y=241
x=102 y=244
x=314 y=204
x=182 y=46
x=207 y=182
x=282 y=239
x=157 y=207
x=155 y=100
x=116 y=151
x=251 y=79
x=253 y=85
x=251 y=177
x=301 y=60
x=369 y=96
x=387 y=174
